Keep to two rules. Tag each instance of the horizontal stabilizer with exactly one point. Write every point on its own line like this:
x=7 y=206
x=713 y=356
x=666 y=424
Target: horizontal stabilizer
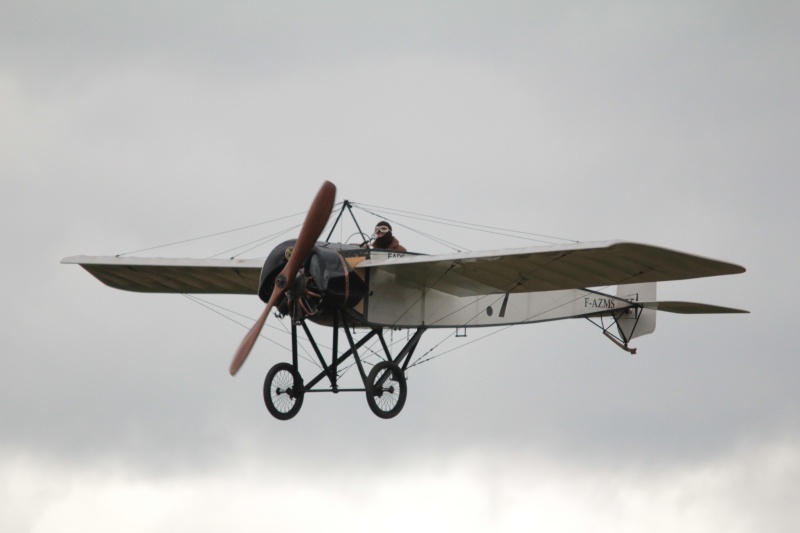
x=690 y=308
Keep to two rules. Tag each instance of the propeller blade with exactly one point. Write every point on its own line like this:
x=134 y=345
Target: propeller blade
x=316 y=219
x=249 y=341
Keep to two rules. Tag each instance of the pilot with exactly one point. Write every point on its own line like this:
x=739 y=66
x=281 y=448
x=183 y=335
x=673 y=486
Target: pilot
x=384 y=240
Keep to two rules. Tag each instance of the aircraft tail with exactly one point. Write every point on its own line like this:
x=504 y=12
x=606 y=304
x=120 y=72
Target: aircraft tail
x=642 y=321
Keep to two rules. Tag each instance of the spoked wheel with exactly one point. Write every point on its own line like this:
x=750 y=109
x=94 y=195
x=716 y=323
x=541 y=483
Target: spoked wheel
x=386 y=389
x=283 y=391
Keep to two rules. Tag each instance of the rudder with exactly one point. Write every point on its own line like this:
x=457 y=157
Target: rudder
x=637 y=321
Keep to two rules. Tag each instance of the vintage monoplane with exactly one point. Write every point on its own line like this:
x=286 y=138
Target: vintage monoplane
x=348 y=287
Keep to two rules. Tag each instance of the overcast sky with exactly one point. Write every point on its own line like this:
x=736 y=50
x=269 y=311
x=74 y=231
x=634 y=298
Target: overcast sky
x=129 y=126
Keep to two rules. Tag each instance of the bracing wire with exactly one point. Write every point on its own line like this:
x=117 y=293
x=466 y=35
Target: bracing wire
x=215 y=308
x=257 y=243
x=536 y=237
x=438 y=240
x=220 y=310
x=211 y=235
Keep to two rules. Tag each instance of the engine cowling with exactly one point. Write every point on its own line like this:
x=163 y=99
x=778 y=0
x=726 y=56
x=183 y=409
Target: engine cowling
x=328 y=275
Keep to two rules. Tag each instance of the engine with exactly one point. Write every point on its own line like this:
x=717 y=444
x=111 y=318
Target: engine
x=325 y=281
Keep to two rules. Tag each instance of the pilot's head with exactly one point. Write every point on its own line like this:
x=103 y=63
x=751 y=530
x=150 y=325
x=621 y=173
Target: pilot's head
x=383 y=228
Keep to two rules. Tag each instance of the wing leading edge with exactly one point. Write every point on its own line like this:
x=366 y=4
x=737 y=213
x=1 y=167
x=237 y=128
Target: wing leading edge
x=548 y=268
x=185 y=276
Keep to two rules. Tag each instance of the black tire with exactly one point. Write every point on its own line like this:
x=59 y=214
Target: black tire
x=386 y=389
x=283 y=391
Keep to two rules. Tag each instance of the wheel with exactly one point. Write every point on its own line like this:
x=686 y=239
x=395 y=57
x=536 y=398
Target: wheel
x=386 y=389
x=283 y=391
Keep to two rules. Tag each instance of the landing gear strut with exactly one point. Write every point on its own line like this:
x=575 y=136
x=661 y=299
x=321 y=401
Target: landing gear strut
x=385 y=385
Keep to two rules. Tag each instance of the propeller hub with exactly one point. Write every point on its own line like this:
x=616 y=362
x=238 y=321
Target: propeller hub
x=281 y=281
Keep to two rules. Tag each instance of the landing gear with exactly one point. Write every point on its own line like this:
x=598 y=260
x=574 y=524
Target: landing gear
x=283 y=391
x=385 y=385
x=386 y=389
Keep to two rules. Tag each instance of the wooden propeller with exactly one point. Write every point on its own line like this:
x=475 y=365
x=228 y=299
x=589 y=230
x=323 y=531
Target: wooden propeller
x=315 y=222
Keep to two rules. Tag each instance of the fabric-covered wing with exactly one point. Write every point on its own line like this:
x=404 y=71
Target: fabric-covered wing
x=548 y=268
x=186 y=276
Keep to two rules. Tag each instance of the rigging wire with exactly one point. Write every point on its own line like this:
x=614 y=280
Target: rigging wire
x=365 y=359
x=218 y=234
x=438 y=240
x=307 y=355
x=524 y=321
x=469 y=225
x=258 y=242
x=283 y=329
x=213 y=308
